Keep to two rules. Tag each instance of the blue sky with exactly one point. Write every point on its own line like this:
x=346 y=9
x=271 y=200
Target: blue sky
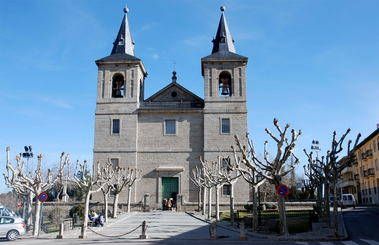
x=314 y=64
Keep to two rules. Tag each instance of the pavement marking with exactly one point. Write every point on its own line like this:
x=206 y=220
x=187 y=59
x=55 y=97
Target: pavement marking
x=371 y=242
x=349 y=243
x=326 y=243
x=302 y=243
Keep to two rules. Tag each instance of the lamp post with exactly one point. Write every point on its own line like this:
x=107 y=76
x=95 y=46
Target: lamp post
x=28 y=154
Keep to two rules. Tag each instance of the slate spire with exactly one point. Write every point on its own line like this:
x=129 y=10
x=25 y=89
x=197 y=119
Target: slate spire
x=124 y=43
x=223 y=42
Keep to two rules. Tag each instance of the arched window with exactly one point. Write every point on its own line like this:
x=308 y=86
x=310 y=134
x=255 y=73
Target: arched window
x=118 y=86
x=225 y=84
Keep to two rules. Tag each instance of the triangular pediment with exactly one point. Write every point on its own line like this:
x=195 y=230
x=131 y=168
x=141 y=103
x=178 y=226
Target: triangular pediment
x=175 y=93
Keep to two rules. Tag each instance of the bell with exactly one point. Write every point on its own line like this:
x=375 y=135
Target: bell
x=118 y=94
x=225 y=89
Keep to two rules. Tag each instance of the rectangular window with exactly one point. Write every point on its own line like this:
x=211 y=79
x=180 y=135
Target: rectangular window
x=114 y=162
x=115 y=126
x=225 y=125
x=226 y=190
x=170 y=127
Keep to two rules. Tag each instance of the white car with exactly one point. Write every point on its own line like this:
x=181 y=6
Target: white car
x=348 y=200
x=11 y=227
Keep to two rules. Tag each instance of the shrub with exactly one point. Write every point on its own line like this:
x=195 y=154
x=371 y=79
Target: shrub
x=55 y=216
x=77 y=210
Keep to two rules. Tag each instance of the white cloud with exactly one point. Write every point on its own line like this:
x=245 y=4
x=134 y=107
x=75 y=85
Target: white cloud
x=155 y=56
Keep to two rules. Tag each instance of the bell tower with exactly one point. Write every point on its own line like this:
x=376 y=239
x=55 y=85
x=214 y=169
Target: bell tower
x=120 y=89
x=225 y=111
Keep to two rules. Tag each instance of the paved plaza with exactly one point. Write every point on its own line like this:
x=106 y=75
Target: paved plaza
x=165 y=227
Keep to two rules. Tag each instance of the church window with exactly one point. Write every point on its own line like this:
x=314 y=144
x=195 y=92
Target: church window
x=226 y=190
x=118 y=86
x=225 y=164
x=170 y=127
x=225 y=125
x=114 y=162
x=225 y=84
x=115 y=126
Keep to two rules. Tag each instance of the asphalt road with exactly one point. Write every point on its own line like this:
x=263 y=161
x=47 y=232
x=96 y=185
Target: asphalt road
x=362 y=223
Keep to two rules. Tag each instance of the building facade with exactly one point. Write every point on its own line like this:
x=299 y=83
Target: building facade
x=361 y=177
x=164 y=135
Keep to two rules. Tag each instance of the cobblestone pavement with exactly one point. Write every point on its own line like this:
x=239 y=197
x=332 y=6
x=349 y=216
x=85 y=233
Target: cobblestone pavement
x=166 y=227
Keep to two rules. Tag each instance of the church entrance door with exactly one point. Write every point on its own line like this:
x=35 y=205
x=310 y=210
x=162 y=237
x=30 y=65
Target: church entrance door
x=170 y=188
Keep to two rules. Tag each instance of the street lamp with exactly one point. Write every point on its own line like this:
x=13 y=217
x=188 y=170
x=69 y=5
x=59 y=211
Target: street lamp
x=28 y=154
x=315 y=146
x=259 y=177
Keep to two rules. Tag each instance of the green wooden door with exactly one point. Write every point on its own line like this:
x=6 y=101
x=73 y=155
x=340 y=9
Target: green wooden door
x=169 y=185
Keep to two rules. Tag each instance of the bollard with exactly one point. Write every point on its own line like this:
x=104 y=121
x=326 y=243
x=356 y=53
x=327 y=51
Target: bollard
x=143 y=235
x=82 y=235
x=60 y=234
x=213 y=230
x=242 y=232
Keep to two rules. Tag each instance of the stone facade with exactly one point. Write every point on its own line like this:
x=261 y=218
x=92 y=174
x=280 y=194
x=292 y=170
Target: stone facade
x=135 y=132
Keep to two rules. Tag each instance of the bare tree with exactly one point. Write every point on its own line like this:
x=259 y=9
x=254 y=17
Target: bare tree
x=17 y=178
x=124 y=177
x=91 y=183
x=197 y=179
x=107 y=188
x=273 y=170
x=328 y=169
x=229 y=174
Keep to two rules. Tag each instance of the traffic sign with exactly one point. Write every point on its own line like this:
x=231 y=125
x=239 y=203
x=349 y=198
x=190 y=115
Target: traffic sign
x=282 y=190
x=42 y=197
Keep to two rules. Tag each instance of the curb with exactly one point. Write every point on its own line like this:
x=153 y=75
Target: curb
x=278 y=237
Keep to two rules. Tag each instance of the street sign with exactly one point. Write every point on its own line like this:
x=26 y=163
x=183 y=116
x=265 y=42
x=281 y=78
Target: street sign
x=42 y=197
x=282 y=190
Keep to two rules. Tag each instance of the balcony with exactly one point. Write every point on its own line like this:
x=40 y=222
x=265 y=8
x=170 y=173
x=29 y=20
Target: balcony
x=346 y=182
x=347 y=170
x=371 y=172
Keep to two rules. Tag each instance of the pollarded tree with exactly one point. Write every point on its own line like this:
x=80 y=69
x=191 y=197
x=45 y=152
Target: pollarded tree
x=123 y=177
x=91 y=183
x=253 y=178
x=36 y=182
x=273 y=170
x=198 y=179
x=229 y=174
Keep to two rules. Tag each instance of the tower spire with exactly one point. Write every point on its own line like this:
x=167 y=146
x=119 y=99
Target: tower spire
x=124 y=43
x=223 y=42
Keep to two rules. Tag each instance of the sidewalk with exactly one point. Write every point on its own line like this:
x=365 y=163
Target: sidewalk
x=74 y=233
x=319 y=232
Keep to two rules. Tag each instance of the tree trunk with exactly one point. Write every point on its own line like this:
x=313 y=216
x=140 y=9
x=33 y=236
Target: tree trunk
x=327 y=205
x=29 y=203
x=37 y=216
x=335 y=209
x=255 y=209
x=218 y=203
x=204 y=201
x=282 y=216
x=115 y=205
x=232 y=204
x=129 y=197
x=85 y=220
x=209 y=203
x=105 y=195
x=199 y=199
x=319 y=200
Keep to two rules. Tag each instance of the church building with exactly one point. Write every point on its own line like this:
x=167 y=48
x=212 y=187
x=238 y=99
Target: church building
x=166 y=134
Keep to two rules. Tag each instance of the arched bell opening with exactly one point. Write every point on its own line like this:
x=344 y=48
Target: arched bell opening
x=118 y=86
x=225 y=84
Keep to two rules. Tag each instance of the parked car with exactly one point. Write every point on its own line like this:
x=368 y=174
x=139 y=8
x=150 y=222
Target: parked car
x=11 y=227
x=348 y=200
